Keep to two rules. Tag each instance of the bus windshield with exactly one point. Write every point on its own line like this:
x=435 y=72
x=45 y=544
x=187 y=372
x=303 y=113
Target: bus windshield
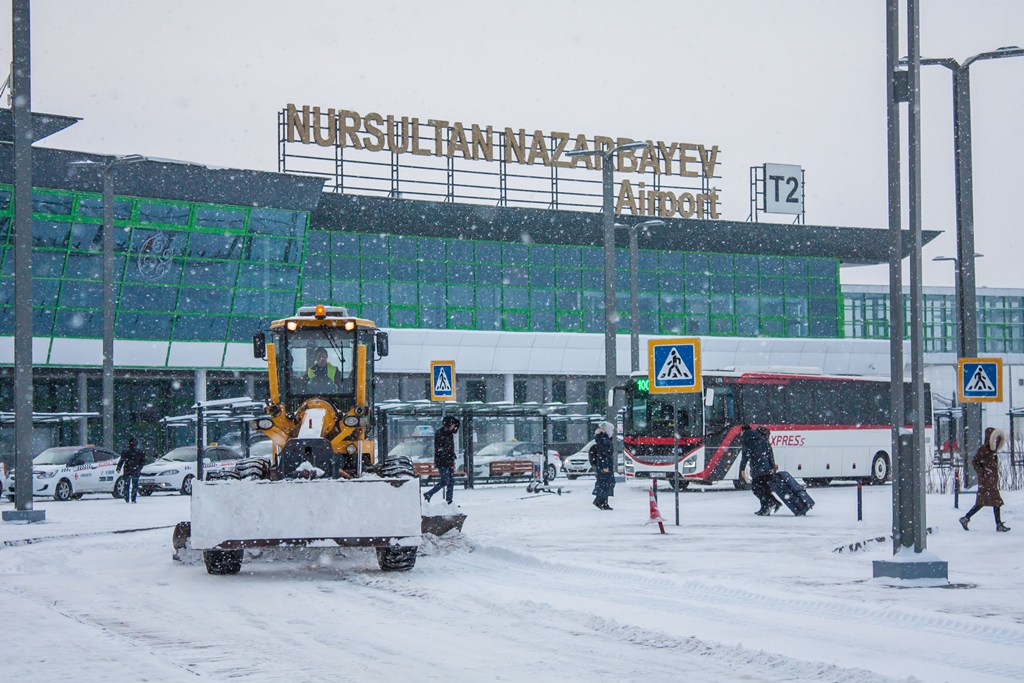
x=318 y=362
x=648 y=415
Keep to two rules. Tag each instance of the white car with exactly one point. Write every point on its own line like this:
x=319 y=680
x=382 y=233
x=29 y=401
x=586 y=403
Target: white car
x=507 y=458
x=67 y=472
x=579 y=462
x=176 y=470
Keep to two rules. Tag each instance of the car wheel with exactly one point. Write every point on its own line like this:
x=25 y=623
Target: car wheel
x=118 y=490
x=63 y=491
x=221 y=562
x=552 y=472
x=145 y=492
x=570 y=477
x=186 y=486
x=398 y=559
x=880 y=470
x=77 y=496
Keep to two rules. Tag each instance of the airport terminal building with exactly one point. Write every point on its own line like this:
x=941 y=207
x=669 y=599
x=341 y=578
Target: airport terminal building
x=511 y=289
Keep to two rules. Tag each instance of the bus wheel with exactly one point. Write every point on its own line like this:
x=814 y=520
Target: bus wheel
x=880 y=469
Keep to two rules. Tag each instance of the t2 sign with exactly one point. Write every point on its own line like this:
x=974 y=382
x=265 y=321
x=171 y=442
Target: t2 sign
x=783 y=189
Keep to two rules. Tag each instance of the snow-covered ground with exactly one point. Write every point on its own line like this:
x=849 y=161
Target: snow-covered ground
x=537 y=588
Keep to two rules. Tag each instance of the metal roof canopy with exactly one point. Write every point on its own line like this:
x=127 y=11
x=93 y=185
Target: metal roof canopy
x=237 y=409
x=48 y=418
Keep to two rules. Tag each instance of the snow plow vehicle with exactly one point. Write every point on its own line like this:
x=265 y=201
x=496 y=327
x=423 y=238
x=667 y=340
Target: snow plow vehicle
x=323 y=485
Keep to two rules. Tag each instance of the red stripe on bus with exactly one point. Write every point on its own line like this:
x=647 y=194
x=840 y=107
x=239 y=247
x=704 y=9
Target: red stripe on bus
x=660 y=440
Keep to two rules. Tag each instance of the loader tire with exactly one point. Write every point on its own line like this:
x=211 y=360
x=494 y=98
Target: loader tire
x=223 y=561
x=398 y=559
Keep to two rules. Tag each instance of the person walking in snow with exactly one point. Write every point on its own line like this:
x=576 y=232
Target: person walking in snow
x=444 y=458
x=604 y=465
x=132 y=460
x=757 y=450
x=986 y=464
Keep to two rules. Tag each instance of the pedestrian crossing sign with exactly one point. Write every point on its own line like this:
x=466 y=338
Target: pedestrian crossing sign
x=442 y=380
x=673 y=365
x=980 y=379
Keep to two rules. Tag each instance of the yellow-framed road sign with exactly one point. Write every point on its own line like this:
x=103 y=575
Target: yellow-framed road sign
x=980 y=380
x=442 y=380
x=673 y=365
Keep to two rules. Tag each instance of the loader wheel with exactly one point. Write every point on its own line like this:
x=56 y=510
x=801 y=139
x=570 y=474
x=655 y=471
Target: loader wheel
x=397 y=559
x=223 y=561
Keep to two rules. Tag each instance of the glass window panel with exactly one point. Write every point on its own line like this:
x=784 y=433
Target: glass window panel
x=460 y=250
x=231 y=219
x=796 y=286
x=722 y=284
x=622 y=302
x=542 y=299
x=488 y=319
x=460 y=319
x=56 y=204
x=697 y=263
x=747 y=305
x=821 y=267
x=78 y=323
x=542 y=277
x=722 y=264
x=433 y=318
x=403 y=247
x=259 y=275
x=433 y=249
x=375 y=292
x=432 y=271
x=374 y=312
x=697 y=304
x=404 y=294
x=432 y=295
x=697 y=284
x=569 y=257
x=542 y=255
x=201 y=327
x=622 y=259
x=7 y=291
x=771 y=307
x=822 y=287
x=316 y=291
x=404 y=271
x=516 y=276
x=259 y=302
x=460 y=273
x=5 y=200
x=403 y=317
x=823 y=308
x=746 y=285
x=592 y=279
x=84 y=266
x=277 y=222
x=772 y=265
x=205 y=300
x=80 y=294
x=45 y=263
x=823 y=327
x=593 y=258
x=542 y=321
x=42 y=322
x=648 y=303
x=796 y=307
x=145 y=298
x=721 y=305
x=87 y=237
x=92 y=207
x=343 y=244
x=488 y=297
x=460 y=296
x=316 y=266
x=44 y=292
x=5 y=228
x=515 y=254
x=243 y=328
x=158 y=243
x=516 y=321
x=52 y=234
x=488 y=252
x=672 y=303
x=205 y=245
x=568 y=278
x=746 y=265
x=772 y=327
x=169 y=214
x=345 y=268
x=488 y=275
x=344 y=292
x=273 y=250
x=796 y=267
x=570 y=322
x=672 y=325
x=593 y=322
x=210 y=273
x=697 y=325
x=515 y=297
x=648 y=260
x=773 y=286
x=568 y=299
x=673 y=261
x=593 y=301
x=747 y=326
x=722 y=326
x=374 y=246
x=796 y=327
x=142 y=325
x=317 y=242
x=148 y=268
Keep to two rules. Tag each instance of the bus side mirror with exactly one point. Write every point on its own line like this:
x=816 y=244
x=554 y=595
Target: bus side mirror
x=382 y=343
x=709 y=398
x=259 y=345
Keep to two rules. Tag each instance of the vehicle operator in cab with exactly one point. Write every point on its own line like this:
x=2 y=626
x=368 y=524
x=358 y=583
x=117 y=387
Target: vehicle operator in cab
x=322 y=376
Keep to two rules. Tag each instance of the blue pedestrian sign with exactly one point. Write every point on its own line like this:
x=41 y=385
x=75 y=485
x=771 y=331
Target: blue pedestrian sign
x=980 y=379
x=442 y=380
x=673 y=365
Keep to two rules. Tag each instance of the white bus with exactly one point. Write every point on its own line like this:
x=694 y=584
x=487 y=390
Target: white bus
x=823 y=428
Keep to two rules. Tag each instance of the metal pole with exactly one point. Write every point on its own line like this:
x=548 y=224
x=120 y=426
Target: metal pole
x=610 y=317
x=83 y=407
x=895 y=260
x=108 y=306
x=21 y=96
x=675 y=450
x=199 y=442
x=634 y=301
x=916 y=488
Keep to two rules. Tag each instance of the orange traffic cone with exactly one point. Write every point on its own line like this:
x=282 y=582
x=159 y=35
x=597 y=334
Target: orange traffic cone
x=655 y=513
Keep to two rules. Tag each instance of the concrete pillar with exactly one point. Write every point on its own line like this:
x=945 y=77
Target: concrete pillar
x=250 y=386
x=82 y=406
x=201 y=393
x=510 y=396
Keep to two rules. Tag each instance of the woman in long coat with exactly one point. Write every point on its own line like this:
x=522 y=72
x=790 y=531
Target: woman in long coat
x=986 y=464
x=604 y=465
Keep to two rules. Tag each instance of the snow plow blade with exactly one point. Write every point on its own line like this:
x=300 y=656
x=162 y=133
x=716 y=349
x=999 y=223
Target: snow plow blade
x=371 y=512
x=442 y=524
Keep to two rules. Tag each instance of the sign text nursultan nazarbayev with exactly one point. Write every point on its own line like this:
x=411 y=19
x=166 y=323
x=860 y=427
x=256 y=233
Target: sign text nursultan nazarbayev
x=375 y=133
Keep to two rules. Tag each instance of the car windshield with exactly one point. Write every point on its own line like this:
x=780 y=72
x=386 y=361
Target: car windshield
x=413 y=448
x=182 y=454
x=56 y=456
x=500 y=449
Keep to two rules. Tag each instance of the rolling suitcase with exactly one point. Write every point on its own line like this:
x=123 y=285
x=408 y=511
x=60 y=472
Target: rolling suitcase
x=791 y=493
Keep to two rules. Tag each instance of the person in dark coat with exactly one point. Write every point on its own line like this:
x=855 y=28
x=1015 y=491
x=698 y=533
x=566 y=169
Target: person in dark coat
x=757 y=451
x=444 y=458
x=131 y=462
x=604 y=465
x=986 y=464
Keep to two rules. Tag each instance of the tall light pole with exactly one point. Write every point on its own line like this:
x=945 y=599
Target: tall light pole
x=608 y=208
x=108 y=287
x=967 y=310
x=634 y=289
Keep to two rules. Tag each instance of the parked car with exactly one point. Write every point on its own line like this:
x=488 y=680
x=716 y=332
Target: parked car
x=176 y=470
x=509 y=458
x=66 y=472
x=578 y=463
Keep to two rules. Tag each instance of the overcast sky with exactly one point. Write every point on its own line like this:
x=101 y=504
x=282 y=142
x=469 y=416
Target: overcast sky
x=786 y=81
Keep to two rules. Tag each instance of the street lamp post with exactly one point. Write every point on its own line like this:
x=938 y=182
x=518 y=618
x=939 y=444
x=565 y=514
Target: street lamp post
x=967 y=314
x=608 y=208
x=634 y=289
x=108 y=287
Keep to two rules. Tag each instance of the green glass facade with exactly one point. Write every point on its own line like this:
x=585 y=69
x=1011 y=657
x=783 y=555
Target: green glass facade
x=189 y=271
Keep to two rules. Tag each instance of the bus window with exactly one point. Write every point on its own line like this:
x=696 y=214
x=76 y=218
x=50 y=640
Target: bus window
x=721 y=413
x=654 y=417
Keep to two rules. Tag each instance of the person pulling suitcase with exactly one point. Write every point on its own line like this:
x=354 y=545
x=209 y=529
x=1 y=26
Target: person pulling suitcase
x=757 y=451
